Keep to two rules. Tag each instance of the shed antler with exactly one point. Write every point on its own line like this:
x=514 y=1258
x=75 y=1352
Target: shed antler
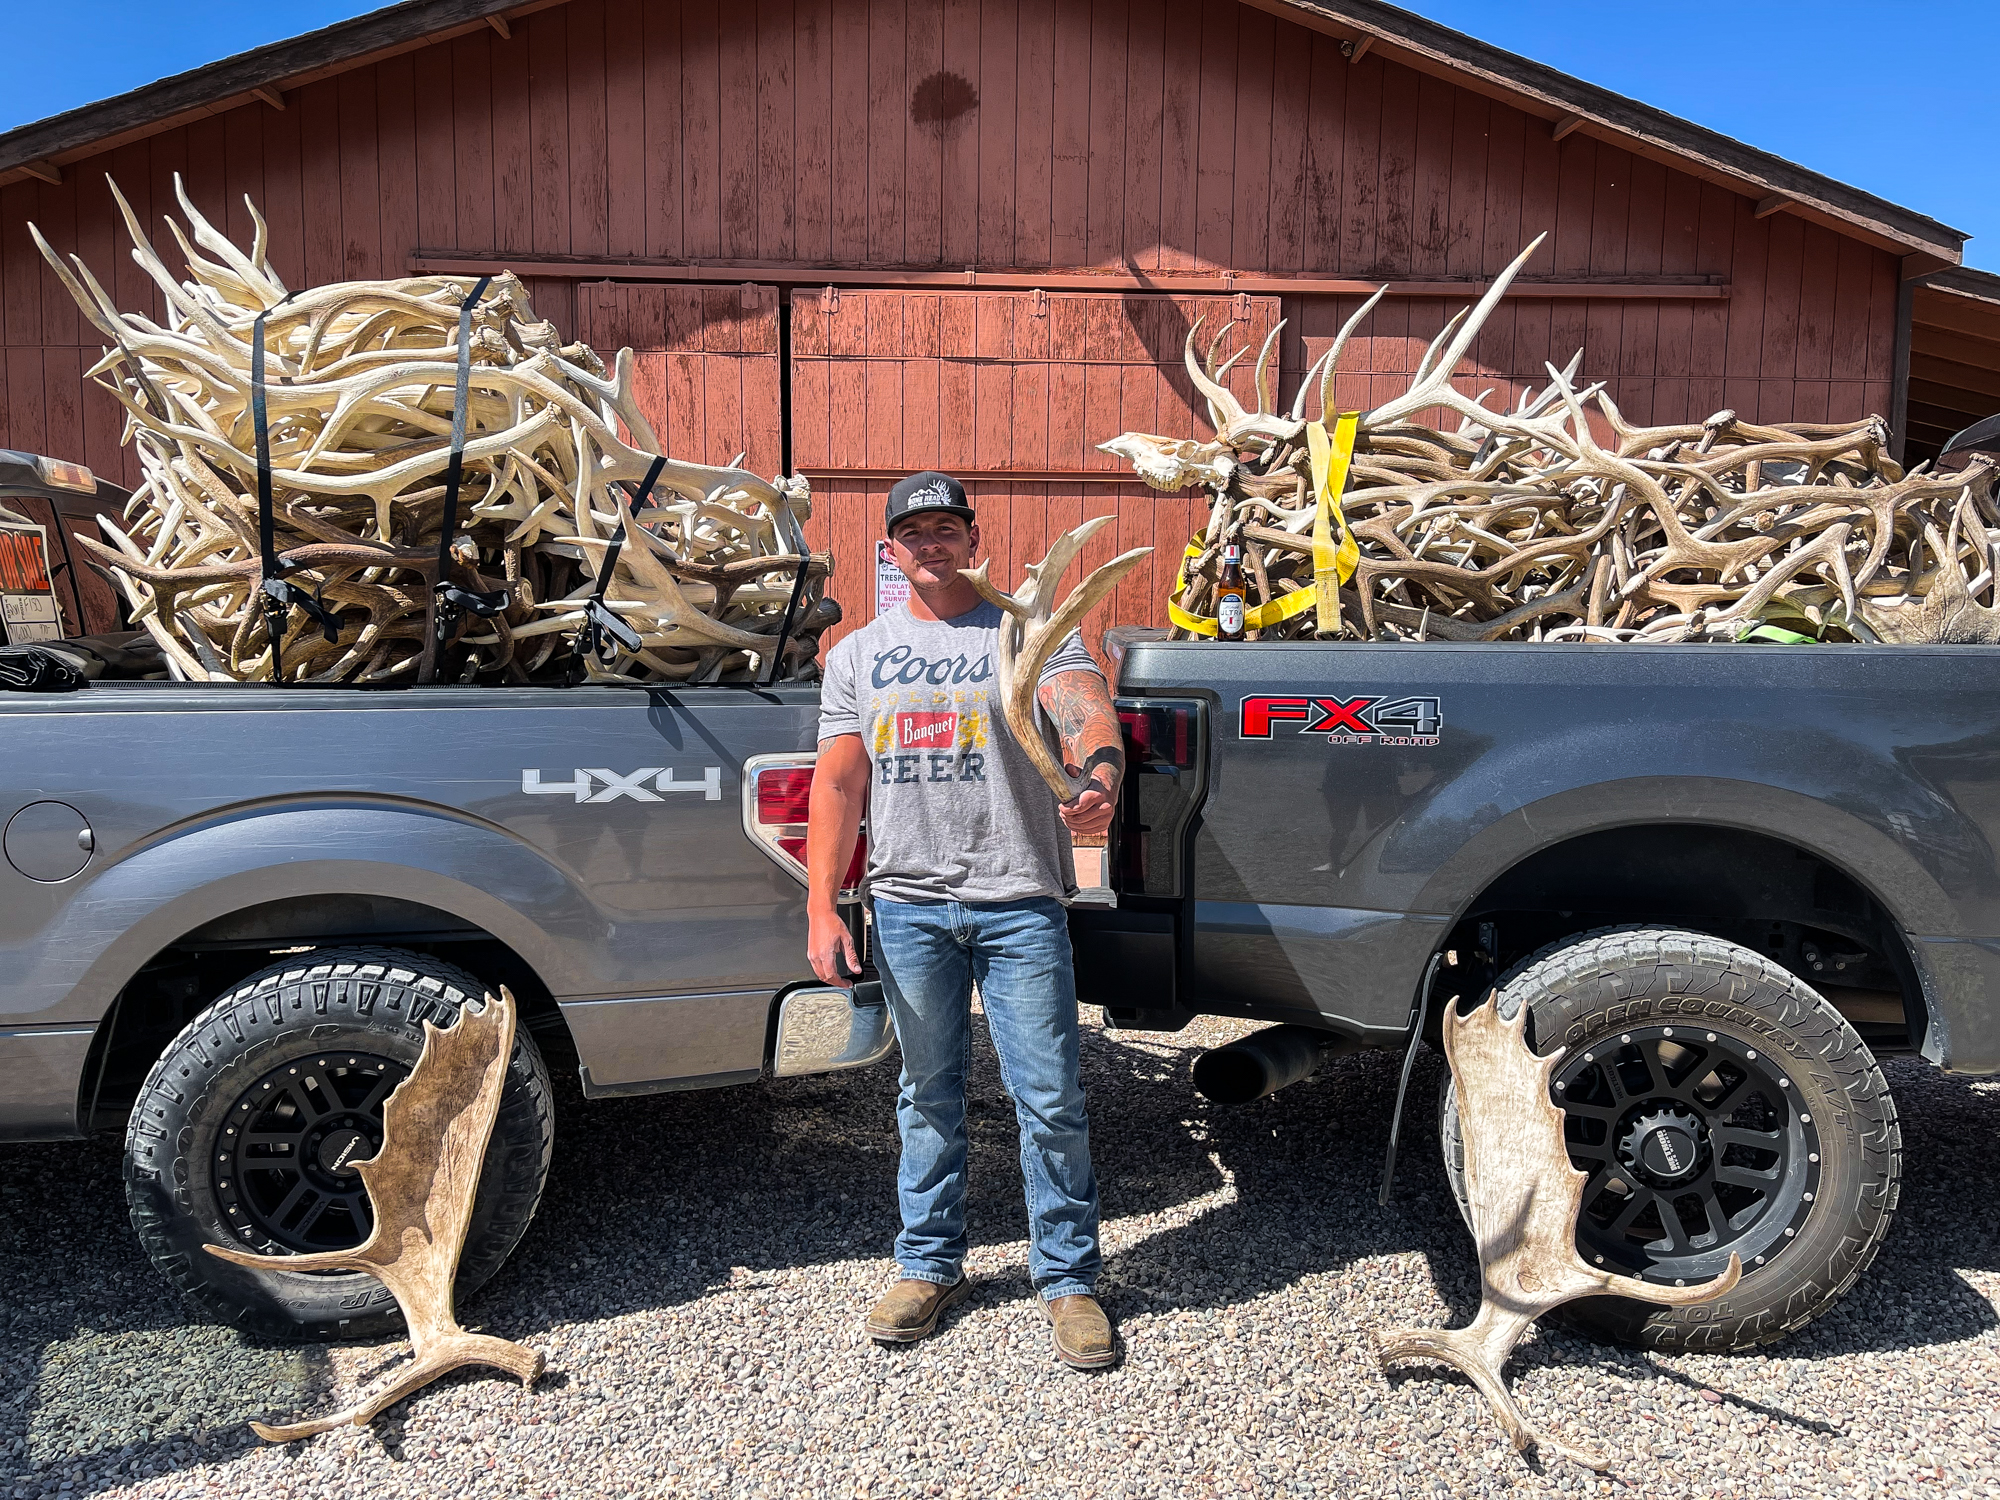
x=1032 y=630
x=1525 y=1197
x=421 y=1185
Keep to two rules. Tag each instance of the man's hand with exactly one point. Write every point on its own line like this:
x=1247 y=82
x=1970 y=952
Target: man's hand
x=1091 y=814
x=1079 y=704
x=827 y=942
x=839 y=798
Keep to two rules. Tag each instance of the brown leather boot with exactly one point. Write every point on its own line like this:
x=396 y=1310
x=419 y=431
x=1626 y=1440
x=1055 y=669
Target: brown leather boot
x=1082 y=1332
x=910 y=1309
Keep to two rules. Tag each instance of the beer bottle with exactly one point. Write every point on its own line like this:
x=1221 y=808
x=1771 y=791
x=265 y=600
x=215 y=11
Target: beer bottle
x=1229 y=595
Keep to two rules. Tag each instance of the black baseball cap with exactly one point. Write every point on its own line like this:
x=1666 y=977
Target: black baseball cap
x=927 y=491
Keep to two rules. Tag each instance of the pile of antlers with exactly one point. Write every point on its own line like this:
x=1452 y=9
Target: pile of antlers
x=361 y=382
x=1531 y=524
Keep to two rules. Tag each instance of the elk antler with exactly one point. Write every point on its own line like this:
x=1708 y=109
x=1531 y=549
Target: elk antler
x=1031 y=631
x=421 y=1185
x=1525 y=1197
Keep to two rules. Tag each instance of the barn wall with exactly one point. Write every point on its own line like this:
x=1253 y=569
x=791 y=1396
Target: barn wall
x=1131 y=135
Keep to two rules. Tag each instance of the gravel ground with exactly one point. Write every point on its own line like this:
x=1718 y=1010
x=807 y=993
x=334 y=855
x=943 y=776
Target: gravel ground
x=701 y=1262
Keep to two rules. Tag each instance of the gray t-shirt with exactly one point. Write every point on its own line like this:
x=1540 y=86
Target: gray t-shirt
x=956 y=811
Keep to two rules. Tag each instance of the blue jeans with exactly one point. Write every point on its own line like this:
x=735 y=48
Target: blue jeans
x=930 y=953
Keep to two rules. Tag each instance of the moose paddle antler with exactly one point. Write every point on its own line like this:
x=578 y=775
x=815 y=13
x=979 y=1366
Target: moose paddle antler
x=1525 y=1197
x=421 y=1185
x=1032 y=628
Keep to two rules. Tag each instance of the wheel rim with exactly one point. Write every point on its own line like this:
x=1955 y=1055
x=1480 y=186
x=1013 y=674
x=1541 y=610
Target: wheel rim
x=285 y=1165
x=1695 y=1145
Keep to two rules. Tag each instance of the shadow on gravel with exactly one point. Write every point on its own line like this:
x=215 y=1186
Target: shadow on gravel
x=103 y=1380
x=656 y=1202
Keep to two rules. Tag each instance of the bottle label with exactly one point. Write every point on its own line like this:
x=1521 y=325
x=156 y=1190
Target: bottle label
x=1229 y=615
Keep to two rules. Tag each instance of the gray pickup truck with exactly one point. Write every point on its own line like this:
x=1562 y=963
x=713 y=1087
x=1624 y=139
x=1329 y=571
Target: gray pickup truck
x=1725 y=879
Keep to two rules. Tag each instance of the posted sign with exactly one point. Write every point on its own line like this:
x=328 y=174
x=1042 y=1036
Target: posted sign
x=27 y=599
x=891 y=587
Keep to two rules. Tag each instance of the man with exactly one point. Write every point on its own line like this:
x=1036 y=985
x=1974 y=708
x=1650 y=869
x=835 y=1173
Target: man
x=968 y=862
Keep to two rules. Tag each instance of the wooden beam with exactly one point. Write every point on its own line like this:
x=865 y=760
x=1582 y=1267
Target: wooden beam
x=270 y=95
x=1899 y=373
x=1358 y=48
x=499 y=24
x=1776 y=203
x=1568 y=125
x=479 y=263
x=46 y=171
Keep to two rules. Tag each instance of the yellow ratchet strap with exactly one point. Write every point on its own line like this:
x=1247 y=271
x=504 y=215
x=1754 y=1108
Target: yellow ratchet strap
x=1333 y=564
x=1281 y=608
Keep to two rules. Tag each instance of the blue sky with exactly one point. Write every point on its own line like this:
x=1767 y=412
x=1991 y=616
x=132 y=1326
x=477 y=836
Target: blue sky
x=1894 y=98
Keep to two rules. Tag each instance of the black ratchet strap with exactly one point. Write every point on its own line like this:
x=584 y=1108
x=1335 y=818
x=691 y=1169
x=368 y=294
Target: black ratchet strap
x=602 y=634
x=275 y=595
x=453 y=602
x=791 y=615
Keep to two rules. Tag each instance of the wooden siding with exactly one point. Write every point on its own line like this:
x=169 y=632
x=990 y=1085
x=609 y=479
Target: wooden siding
x=1135 y=136
x=706 y=367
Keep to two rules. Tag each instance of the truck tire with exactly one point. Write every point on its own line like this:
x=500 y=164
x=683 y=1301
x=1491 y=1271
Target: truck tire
x=309 y=1049
x=1717 y=1104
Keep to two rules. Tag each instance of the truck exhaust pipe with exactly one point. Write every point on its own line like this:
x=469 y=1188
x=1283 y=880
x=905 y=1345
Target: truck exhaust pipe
x=1264 y=1062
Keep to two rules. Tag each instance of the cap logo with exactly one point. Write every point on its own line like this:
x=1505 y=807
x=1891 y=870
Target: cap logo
x=934 y=493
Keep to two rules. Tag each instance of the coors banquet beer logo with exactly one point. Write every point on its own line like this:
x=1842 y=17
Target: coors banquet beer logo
x=1367 y=719
x=926 y=731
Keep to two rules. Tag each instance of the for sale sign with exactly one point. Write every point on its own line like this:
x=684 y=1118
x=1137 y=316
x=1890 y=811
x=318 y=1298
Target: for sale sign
x=27 y=599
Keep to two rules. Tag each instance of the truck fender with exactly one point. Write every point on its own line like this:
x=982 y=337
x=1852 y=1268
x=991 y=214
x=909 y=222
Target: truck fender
x=195 y=873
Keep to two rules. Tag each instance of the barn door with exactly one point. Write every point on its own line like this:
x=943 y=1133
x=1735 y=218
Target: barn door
x=707 y=368
x=1011 y=392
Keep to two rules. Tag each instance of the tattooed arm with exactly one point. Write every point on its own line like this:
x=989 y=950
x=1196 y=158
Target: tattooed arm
x=1079 y=705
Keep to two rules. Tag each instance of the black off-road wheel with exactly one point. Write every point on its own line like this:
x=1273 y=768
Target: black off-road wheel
x=1717 y=1105
x=248 y=1127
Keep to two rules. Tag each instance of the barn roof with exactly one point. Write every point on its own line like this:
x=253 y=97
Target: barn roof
x=42 y=148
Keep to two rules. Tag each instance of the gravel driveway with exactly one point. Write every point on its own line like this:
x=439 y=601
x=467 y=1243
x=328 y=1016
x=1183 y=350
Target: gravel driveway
x=701 y=1263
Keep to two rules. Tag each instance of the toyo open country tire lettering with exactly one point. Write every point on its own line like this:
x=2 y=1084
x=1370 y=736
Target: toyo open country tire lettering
x=247 y=1127
x=1717 y=1104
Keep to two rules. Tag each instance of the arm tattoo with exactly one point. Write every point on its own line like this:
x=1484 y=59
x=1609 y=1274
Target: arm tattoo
x=1079 y=704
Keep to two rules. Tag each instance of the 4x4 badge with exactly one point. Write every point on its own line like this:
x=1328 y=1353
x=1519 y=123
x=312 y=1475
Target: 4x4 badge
x=1366 y=719
x=617 y=784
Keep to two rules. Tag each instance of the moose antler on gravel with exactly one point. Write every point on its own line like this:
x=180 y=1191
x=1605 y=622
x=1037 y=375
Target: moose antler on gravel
x=421 y=1186
x=1031 y=630
x=1525 y=1197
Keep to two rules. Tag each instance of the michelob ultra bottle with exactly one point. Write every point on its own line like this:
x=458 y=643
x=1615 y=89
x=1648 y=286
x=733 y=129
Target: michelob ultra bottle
x=1229 y=595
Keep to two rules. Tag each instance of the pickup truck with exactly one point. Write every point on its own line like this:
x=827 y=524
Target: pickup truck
x=1724 y=879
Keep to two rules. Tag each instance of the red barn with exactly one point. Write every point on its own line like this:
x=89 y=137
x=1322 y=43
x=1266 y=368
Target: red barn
x=860 y=237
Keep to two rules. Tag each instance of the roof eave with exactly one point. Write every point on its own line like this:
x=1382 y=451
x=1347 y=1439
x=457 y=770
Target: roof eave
x=1431 y=48
x=94 y=127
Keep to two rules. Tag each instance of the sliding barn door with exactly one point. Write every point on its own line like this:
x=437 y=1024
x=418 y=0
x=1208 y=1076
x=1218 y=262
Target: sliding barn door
x=707 y=367
x=1011 y=392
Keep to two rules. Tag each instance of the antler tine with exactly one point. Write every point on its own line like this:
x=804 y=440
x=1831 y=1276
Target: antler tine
x=1306 y=385
x=1327 y=412
x=1425 y=391
x=1425 y=364
x=89 y=305
x=206 y=236
x=1038 y=593
x=1221 y=403
x=1263 y=362
x=991 y=592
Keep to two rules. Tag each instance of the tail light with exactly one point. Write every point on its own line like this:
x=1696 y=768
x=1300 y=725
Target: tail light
x=1163 y=789
x=777 y=802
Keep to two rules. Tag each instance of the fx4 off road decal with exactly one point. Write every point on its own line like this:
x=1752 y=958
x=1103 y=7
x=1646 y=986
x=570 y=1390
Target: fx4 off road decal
x=1367 y=719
